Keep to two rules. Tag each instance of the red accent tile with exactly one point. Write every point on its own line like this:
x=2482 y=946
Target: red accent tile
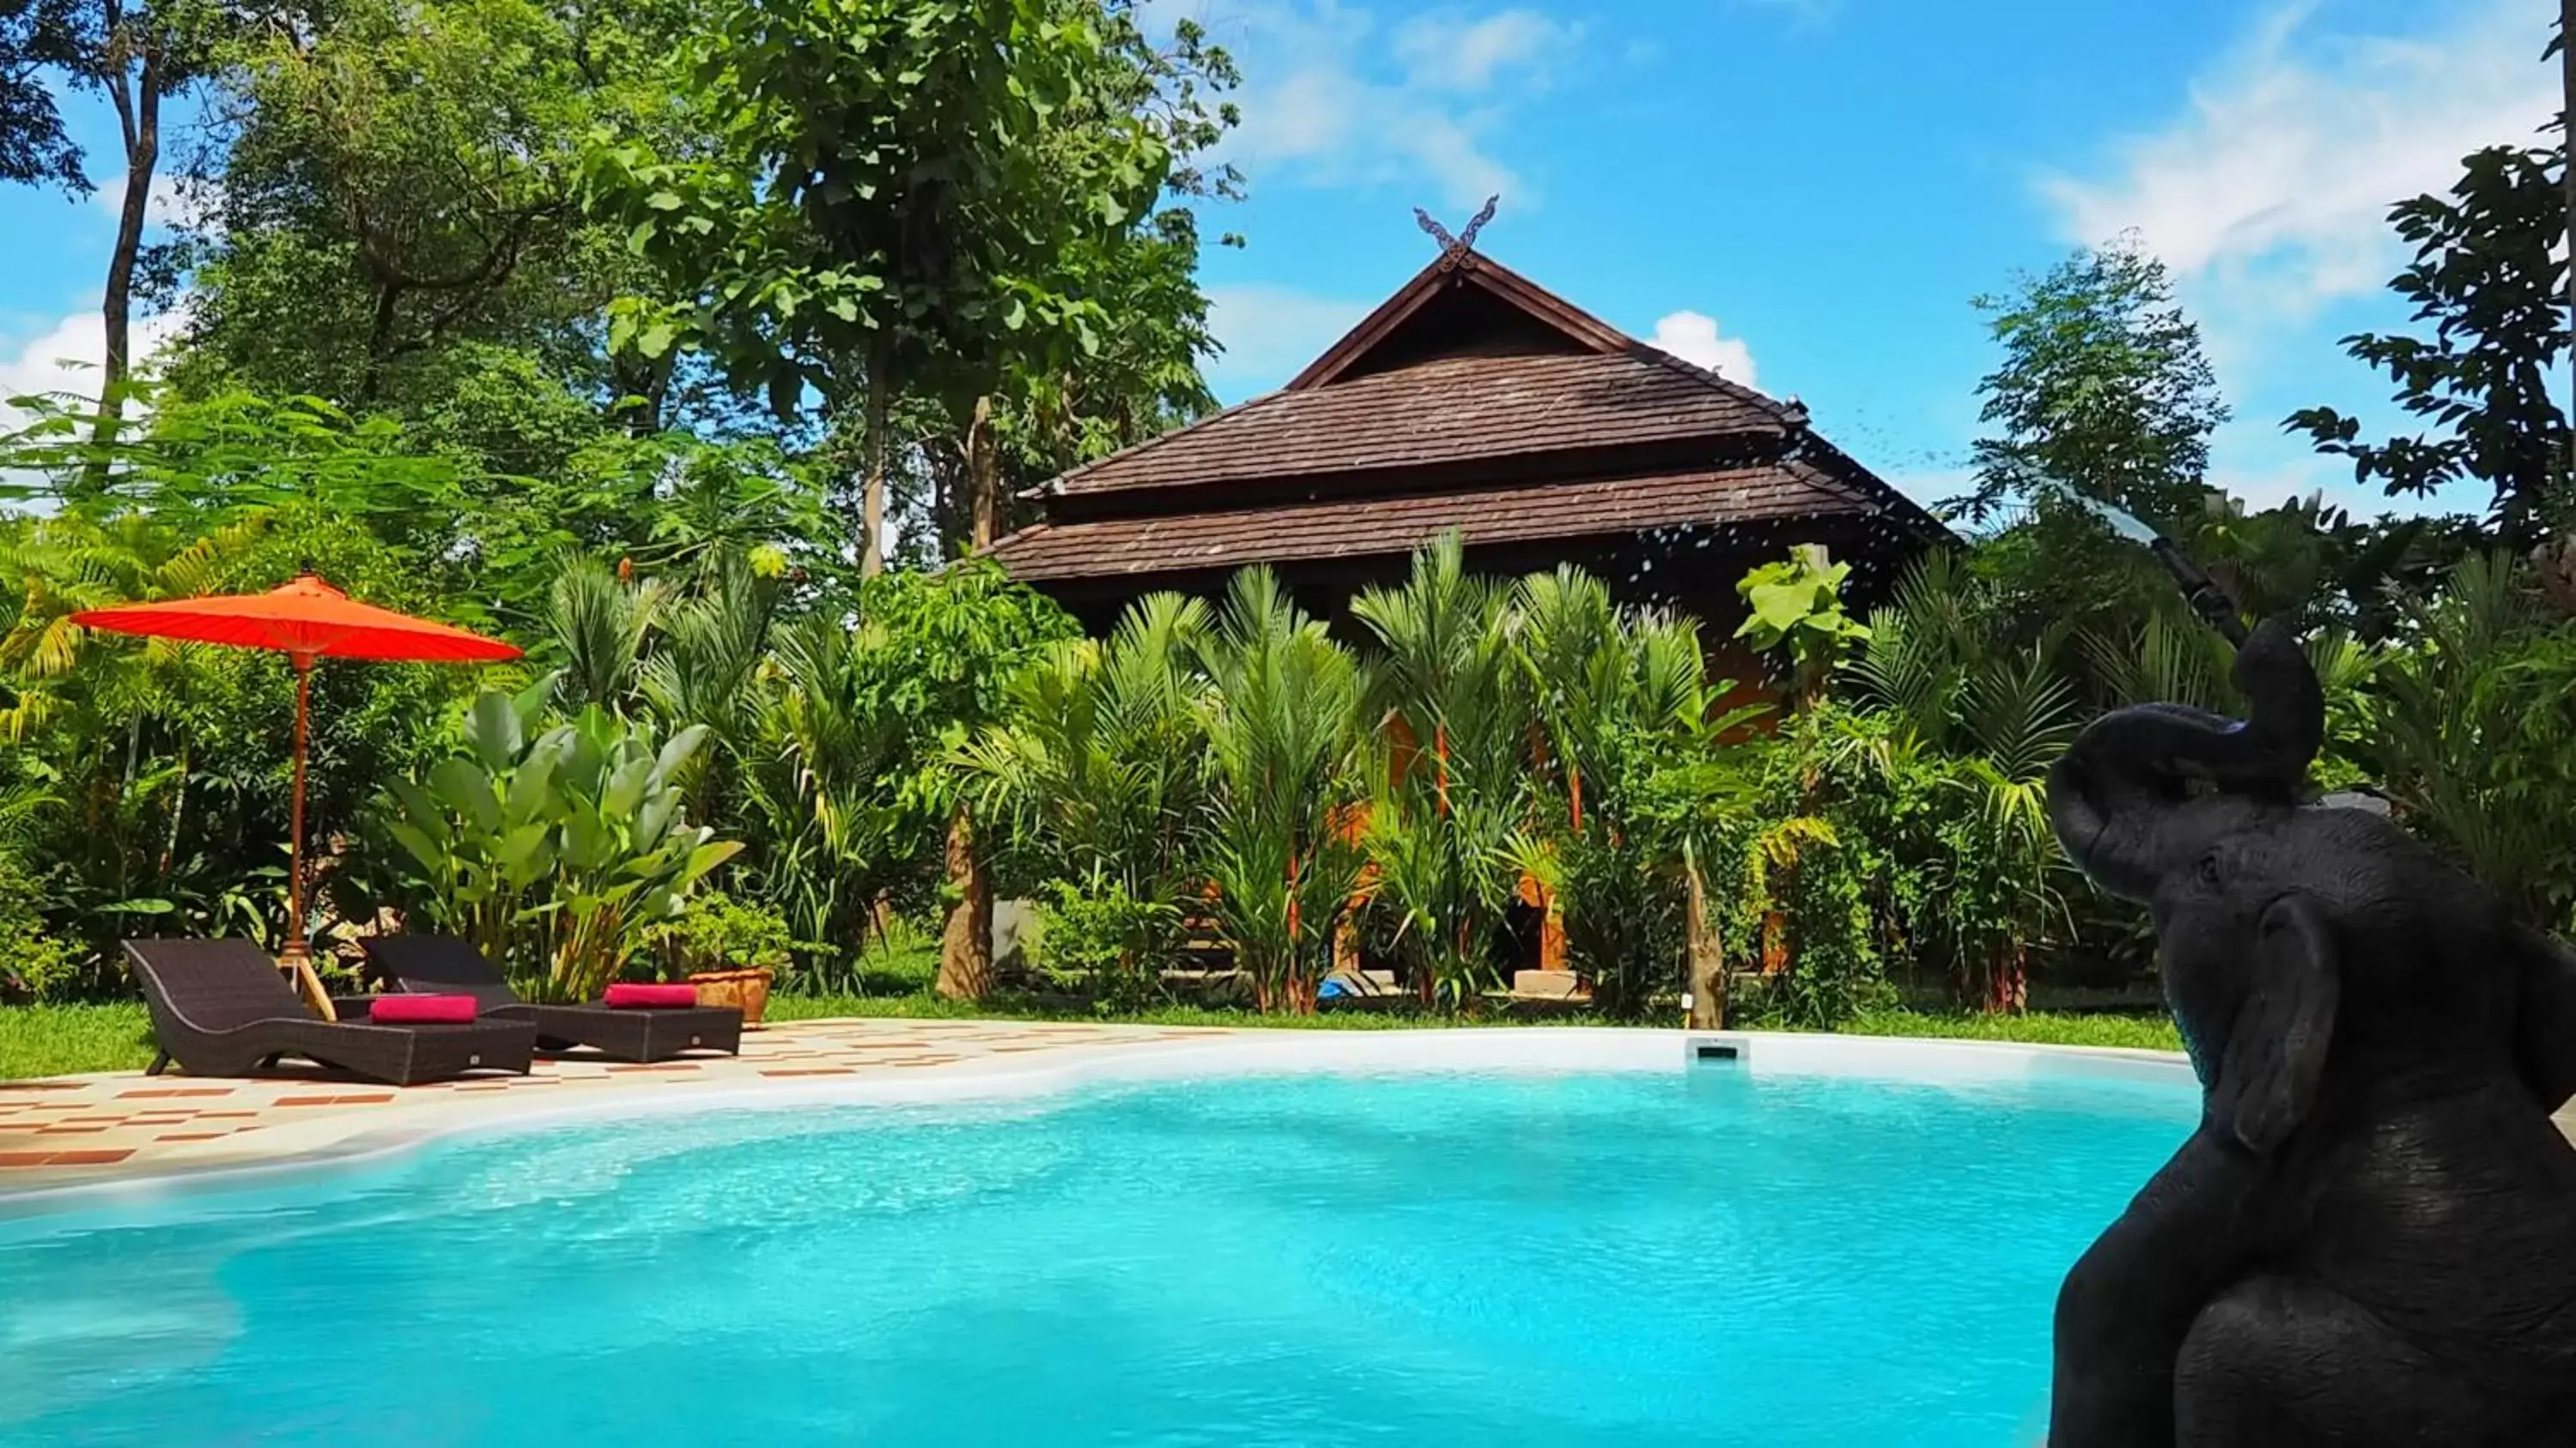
x=69 y=1130
x=192 y=1136
x=89 y=1158
x=814 y=1071
x=304 y=1101
x=360 y=1100
x=25 y=1158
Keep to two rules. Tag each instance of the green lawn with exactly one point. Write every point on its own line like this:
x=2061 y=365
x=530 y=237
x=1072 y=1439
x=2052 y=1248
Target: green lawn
x=63 y=1040
x=2053 y=1028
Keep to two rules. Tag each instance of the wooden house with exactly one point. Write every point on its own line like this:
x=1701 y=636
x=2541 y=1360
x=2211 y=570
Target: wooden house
x=1474 y=399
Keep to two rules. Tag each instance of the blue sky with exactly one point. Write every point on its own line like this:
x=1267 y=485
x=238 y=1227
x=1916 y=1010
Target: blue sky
x=1804 y=192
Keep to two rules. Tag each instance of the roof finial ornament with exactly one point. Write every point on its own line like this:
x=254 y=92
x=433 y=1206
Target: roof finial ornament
x=1462 y=241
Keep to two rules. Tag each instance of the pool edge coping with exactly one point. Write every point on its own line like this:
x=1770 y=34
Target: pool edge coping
x=334 y=1147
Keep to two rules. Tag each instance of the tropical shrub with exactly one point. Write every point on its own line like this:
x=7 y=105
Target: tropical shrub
x=1099 y=934
x=35 y=964
x=716 y=931
x=558 y=855
x=1795 y=607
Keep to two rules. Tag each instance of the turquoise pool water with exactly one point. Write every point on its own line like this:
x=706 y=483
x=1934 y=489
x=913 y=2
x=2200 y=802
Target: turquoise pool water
x=1633 y=1259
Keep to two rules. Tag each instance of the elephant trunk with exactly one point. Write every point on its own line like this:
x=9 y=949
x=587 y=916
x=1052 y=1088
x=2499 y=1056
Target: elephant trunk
x=2111 y=797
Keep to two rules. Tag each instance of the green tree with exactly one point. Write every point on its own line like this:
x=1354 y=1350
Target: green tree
x=2103 y=386
x=2488 y=277
x=860 y=738
x=891 y=207
x=135 y=56
x=34 y=147
x=397 y=179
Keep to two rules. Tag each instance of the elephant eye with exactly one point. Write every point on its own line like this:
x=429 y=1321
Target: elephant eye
x=2207 y=870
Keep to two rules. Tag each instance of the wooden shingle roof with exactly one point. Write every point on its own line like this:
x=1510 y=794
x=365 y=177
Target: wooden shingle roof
x=1361 y=527
x=1472 y=399
x=1451 y=409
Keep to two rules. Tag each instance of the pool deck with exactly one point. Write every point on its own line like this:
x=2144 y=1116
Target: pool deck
x=76 y=1129
x=80 y=1131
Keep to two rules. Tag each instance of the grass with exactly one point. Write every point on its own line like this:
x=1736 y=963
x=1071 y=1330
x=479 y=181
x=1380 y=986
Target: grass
x=67 y=1040
x=2053 y=1028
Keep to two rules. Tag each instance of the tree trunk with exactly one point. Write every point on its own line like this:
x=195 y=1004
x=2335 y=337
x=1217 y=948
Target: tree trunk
x=2008 y=987
x=138 y=114
x=1707 y=959
x=873 y=491
x=984 y=474
x=966 y=946
x=380 y=339
x=1775 y=942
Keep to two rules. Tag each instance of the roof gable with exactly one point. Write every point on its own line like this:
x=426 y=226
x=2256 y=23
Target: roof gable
x=1463 y=303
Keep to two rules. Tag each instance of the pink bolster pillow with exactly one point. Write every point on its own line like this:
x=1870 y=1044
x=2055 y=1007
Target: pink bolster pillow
x=626 y=996
x=421 y=1010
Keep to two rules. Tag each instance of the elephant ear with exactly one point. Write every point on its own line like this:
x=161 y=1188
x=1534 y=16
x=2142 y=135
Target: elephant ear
x=2276 y=1052
x=2545 y=1016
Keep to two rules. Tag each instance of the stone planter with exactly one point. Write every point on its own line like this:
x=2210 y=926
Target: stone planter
x=745 y=990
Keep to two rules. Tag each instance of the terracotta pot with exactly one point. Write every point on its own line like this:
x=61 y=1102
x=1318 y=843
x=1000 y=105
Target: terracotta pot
x=745 y=990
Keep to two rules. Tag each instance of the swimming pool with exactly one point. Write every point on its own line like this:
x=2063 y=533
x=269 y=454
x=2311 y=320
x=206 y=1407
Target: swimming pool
x=1709 y=1256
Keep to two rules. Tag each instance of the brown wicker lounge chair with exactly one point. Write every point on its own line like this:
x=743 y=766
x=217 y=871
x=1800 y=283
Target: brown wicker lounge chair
x=446 y=965
x=220 y=1008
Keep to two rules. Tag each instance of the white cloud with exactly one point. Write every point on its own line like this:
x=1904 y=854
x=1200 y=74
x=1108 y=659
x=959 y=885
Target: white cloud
x=64 y=361
x=1694 y=338
x=2275 y=179
x=1270 y=333
x=1448 y=51
x=1331 y=98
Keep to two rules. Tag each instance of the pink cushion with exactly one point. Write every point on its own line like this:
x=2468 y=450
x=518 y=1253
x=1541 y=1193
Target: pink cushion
x=626 y=996
x=421 y=1010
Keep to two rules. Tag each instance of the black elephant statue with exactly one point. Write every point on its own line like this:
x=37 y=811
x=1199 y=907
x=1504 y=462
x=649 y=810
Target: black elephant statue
x=2370 y=1238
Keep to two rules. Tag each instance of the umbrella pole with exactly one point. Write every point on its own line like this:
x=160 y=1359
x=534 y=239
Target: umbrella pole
x=296 y=958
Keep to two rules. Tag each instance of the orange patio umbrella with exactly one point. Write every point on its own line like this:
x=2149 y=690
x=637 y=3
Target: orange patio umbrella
x=306 y=620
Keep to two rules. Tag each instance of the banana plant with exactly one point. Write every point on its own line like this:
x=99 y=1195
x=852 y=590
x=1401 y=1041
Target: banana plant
x=557 y=855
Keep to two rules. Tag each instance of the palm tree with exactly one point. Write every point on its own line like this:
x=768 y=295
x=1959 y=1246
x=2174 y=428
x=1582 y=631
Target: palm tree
x=1983 y=721
x=596 y=624
x=1285 y=753
x=2473 y=733
x=817 y=774
x=1453 y=786
x=1098 y=772
x=1622 y=697
x=705 y=669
